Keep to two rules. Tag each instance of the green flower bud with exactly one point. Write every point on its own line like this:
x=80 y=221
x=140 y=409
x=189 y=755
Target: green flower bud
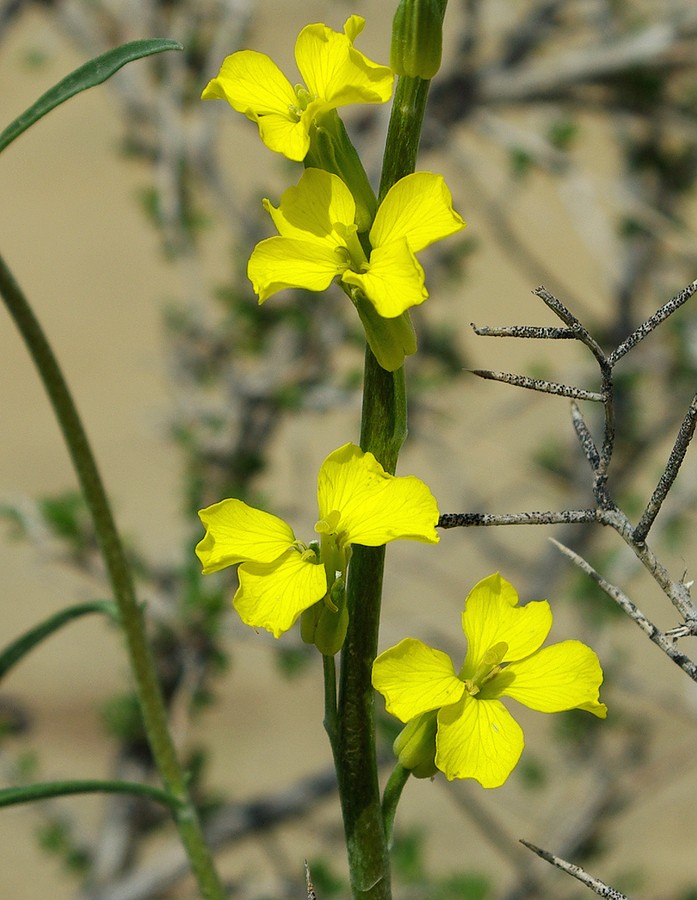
x=415 y=745
x=417 y=38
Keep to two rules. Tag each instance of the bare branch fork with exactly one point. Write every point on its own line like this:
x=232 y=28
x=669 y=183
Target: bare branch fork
x=599 y=458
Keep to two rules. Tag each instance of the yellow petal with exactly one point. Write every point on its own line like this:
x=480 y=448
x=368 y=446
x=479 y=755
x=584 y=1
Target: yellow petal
x=492 y=615
x=252 y=84
x=375 y=507
x=393 y=281
x=286 y=136
x=562 y=676
x=414 y=678
x=272 y=595
x=236 y=532
x=337 y=73
x=353 y=26
x=419 y=208
x=310 y=210
x=478 y=739
x=278 y=263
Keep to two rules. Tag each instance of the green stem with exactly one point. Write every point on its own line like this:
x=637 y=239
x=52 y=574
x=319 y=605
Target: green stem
x=356 y=754
x=384 y=415
x=329 y=665
x=384 y=426
x=30 y=792
x=393 y=791
x=18 y=649
x=404 y=131
x=131 y=613
x=383 y=430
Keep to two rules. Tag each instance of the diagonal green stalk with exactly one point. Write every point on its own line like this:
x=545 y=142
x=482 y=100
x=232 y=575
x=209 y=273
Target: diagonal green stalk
x=29 y=793
x=130 y=611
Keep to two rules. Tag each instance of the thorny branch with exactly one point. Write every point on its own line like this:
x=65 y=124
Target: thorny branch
x=682 y=442
x=606 y=511
x=623 y=601
x=595 y=884
x=539 y=384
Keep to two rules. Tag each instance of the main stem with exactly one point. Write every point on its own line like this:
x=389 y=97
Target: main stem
x=382 y=433
x=383 y=430
x=131 y=614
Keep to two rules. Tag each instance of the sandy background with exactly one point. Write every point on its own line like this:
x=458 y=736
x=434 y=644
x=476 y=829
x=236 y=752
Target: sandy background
x=72 y=232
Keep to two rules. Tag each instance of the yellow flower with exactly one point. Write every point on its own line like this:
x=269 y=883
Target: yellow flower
x=280 y=577
x=476 y=736
x=335 y=74
x=317 y=242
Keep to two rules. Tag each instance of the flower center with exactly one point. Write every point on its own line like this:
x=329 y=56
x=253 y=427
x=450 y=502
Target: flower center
x=352 y=253
x=304 y=98
x=306 y=553
x=332 y=554
x=488 y=668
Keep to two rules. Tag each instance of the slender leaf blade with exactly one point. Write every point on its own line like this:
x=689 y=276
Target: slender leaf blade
x=88 y=75
x=18 y=649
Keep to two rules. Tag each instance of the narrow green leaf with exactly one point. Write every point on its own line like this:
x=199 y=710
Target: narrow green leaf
x=32 y=792
x=86 y=76
x=15 y=651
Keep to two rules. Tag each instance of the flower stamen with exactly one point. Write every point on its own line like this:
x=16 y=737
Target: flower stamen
x=304 y=96
x=471 y=687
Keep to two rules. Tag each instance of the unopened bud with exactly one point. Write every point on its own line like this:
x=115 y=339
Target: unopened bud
x=415 y=745
x=417 y=38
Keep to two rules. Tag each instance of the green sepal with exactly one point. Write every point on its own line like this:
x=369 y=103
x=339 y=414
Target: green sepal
x=331 y=149
x=417 y=38
x=389 y=339
x=325 y=623
x=415 y=745
x=308 y=622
